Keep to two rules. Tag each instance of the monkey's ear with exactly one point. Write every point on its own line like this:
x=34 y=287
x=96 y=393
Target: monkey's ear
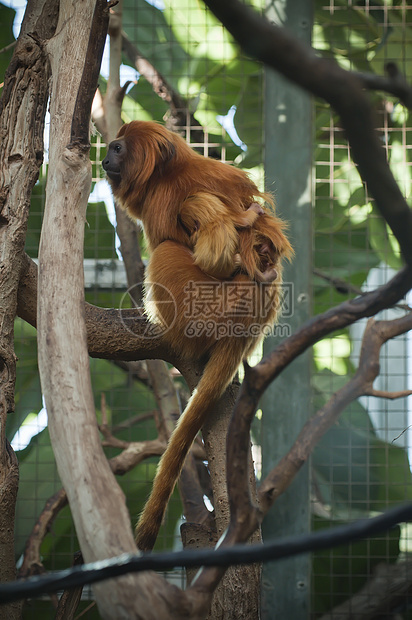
x=121 y=131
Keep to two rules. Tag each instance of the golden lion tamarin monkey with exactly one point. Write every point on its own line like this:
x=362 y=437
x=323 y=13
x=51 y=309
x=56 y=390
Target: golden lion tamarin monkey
x=216 y=252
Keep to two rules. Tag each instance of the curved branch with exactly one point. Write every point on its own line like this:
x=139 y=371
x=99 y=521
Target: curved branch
x=375 y=335
x=245 y=515
x=394 y=84
x=277 y=48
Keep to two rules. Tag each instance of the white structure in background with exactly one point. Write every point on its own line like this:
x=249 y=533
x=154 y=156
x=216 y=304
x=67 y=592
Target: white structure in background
x=391 y=418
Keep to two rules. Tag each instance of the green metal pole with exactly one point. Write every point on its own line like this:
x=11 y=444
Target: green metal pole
x=286 y=404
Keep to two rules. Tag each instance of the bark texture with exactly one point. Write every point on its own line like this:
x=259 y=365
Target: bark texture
x=97 y=502
x=22 y=111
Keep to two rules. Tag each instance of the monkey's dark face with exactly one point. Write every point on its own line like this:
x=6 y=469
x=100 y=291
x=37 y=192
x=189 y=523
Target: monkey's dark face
x=139 y=151
x=112 y=163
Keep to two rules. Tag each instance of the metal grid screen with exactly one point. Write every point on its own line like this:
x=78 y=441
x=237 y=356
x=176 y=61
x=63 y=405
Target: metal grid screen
x=185 y=71
x=362 y=465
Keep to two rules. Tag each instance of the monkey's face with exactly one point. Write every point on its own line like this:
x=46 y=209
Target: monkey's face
x=142 y=151
x=112 y=163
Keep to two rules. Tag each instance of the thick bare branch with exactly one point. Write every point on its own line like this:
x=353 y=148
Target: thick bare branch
x=388 y=588
x=245 y=515
x=63 y=360
x=111 y=333
x=277 y=48
x=22 y=111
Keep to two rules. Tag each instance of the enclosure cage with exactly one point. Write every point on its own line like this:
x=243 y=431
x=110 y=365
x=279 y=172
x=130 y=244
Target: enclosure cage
x=185 y=71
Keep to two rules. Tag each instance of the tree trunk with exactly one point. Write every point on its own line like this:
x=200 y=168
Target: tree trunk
x=238 y=594
x=22 y=112
x=97 y=502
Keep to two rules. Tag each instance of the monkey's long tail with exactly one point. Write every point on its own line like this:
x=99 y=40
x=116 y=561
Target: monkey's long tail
x=219 y=372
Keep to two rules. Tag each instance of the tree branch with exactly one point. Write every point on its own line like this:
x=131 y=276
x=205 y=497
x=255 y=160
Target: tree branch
x=375 y=335
x=22 y=111
x=278 y=49
x=394 y=84
x=80 y=128
x=180 y=115
x=32 y=564
x=111 y=333
x=62 y=342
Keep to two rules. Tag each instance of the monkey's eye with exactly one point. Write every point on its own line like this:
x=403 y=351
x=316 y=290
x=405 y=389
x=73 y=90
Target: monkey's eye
x=117 y=148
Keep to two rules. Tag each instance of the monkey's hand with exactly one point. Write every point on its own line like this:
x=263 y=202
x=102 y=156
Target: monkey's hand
x=249 y=217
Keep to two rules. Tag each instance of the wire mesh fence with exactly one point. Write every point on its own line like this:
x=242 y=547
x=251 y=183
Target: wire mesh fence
x=186 y=72
x=362 y=465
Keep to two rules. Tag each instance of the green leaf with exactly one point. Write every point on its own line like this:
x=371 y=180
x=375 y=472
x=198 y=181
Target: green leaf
x=344 y=254
x=155 y=39
x=198 y=31
x=143 y=104
x=348 y=34
x=399 y=158
x=326 y=296
x=383 y=242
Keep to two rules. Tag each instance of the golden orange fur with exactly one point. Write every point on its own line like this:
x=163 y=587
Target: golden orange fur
x=202 y=203
x=212 y=283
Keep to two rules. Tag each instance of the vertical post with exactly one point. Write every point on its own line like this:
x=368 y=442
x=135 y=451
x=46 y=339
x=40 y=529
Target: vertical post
x=286 y=404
